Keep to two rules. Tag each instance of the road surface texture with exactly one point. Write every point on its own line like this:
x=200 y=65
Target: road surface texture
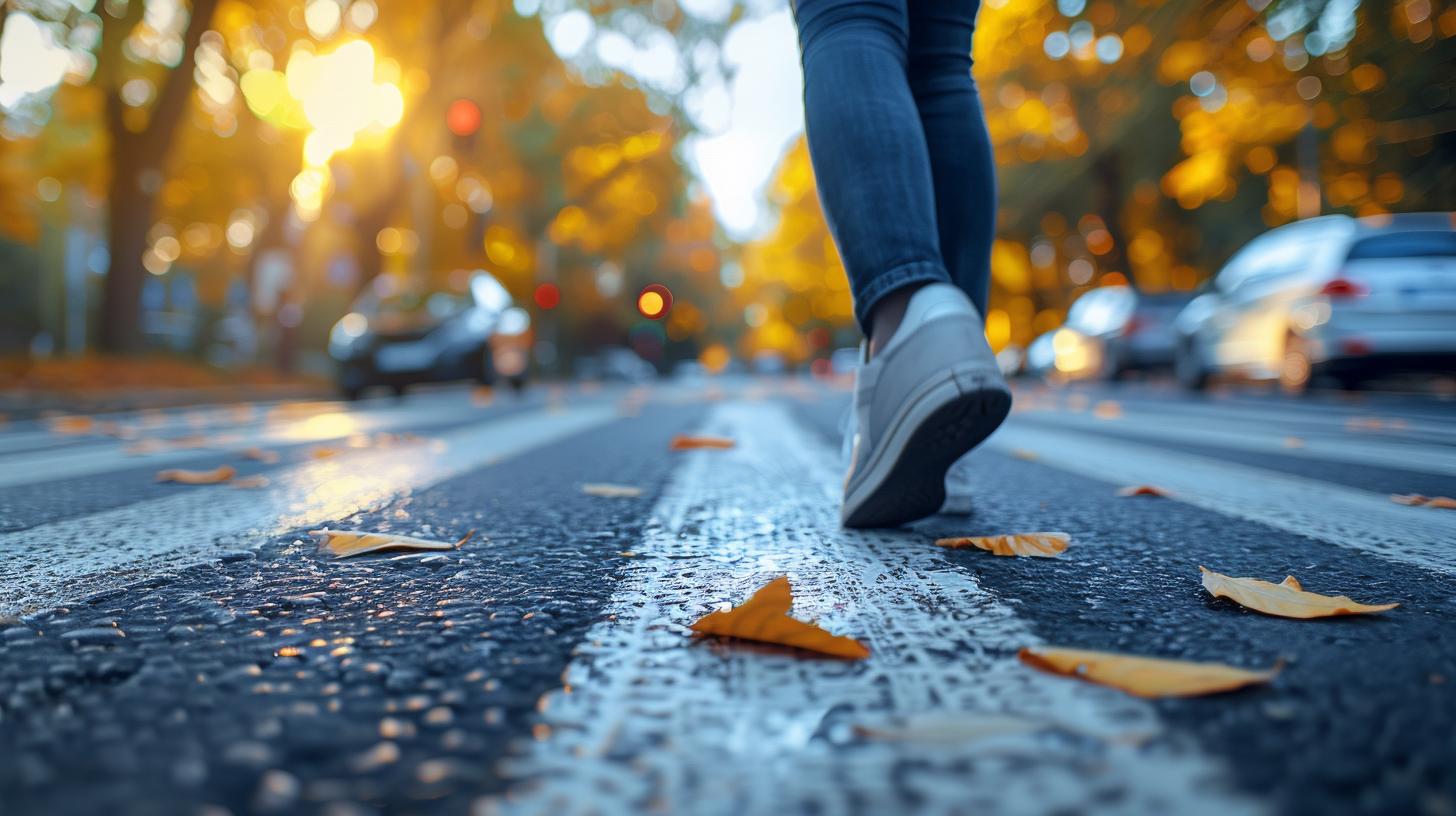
x=187 y=649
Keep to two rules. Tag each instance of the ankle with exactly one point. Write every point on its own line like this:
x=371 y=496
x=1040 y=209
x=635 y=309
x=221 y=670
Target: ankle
x=887 y=314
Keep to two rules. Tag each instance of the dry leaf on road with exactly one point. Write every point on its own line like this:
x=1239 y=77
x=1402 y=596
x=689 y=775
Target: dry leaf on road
x=346 y=543
x=1025 y=455
x=612 y=491
x=218 y=474
x=1144 y=676
x=323 y=453
x=1143 y=490
x=1417 y=500
x=1107 y=409
x=70 y=425
x=267 y=457
x=765 y=618
x=1035 y=545
x=1286 y=600
x=684 y=442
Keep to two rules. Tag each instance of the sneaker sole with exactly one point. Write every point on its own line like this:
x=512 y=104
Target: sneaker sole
x=910 y=484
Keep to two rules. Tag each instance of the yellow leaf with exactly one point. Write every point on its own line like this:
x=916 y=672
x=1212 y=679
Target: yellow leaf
x=611 y=491
x=251 y=482
x=345 y=543
x=1144 y=676
x=1025 y=455
x=267 y=457
x=1286 y=600
x=765 y=618
x=323 y=453
x=1417 y=500
x=1035 y=545
x=70 y=425
x=1143 y=490
x=683 y=442
x=218 y=474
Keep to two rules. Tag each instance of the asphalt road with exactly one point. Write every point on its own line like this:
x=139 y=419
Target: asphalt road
x=168 y=648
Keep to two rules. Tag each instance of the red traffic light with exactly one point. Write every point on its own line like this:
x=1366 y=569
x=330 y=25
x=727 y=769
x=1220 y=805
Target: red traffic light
x=463 y=117
x=547 y=296
x=654 y=301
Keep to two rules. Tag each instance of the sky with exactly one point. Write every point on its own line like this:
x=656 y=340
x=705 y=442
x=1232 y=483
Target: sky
x=746 y=119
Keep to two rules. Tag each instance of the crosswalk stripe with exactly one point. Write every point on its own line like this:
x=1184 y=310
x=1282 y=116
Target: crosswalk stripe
x=45 y=563
x=1345 y=516
x=650 y=720
x=1239 y=435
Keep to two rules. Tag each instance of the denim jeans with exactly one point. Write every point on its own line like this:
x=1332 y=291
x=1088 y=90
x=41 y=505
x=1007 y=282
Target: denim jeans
x=898 y=142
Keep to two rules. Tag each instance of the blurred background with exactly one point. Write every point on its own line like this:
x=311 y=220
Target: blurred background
x=377 y=192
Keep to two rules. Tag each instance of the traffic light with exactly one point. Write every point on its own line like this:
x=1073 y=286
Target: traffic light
x=654 y=301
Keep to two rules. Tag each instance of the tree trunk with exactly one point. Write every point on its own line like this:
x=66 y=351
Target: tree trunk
x=134 y=155
x=1108 y=169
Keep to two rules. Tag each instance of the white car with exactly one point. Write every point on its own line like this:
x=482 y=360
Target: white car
x=1330 y=297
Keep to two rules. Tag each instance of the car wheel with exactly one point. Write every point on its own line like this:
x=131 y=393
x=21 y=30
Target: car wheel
x=485 y=366
x=1295 y=370
x=1188 y=366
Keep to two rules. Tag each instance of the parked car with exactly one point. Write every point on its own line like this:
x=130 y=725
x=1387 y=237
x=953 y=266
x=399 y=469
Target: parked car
x=615 y=364
x=1332 y=298
x=401 y=337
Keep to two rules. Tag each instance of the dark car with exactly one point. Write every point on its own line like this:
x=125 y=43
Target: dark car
x=402 y=337
x=1146 y=340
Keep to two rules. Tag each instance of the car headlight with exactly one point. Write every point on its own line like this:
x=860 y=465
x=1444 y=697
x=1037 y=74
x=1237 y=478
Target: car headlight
x=347 y=332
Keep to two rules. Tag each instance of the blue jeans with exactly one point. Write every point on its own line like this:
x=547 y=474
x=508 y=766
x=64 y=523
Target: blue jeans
x=899 y=143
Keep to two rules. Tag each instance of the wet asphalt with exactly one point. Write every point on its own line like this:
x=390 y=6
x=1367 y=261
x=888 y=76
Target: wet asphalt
x=277 y=680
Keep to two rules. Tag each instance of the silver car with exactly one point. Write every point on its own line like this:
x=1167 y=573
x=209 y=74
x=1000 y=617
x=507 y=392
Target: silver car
x=1334 y=298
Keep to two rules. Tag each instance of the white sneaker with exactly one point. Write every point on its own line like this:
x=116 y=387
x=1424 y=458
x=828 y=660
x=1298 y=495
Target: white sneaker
x=931 y=394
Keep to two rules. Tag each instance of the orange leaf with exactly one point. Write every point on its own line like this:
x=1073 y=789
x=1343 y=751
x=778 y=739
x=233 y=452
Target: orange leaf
x=70 y=425
x=1286 y=600
x=1025 y=455
x=222 y=473
x=1417 y=500
x=267 y=457
x=323 y=453
x=1107 y=409
x=1144 y=676
x=765 y=618
x=1143 y=490
x=1293 y=442
x=344 y=543
x=1035 y=545
x=683 y=442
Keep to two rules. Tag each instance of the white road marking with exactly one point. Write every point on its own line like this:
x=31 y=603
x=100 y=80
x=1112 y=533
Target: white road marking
x=98 y=454
x=1356 y=519
x=1238 y=434
x=47 y=562
x=653 y=721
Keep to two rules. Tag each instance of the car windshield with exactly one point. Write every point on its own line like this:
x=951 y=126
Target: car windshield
x=421 y=305
x=1415 y=244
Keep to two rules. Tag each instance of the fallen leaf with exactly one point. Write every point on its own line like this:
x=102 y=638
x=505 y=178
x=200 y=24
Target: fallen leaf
x=1293 y=442
x=611 y=491
x=1417 y=500
x=346 y=543
x=251 y=482
x=1035 y=545
x=221 y=473
x=1107 y=409
x=482 y=396
x=323 y=453
x=765 y=618
x=71 y=425
x=1286 y=600
x=1144 y=676
x=685 y=442
x=1143 y=490
x=1363 y=424
x=1025 y=455
x=267 y=457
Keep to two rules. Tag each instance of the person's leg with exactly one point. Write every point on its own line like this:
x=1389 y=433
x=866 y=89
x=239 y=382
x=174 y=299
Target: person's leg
x=929 y=390
x=961 y=161
x=869 y=154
